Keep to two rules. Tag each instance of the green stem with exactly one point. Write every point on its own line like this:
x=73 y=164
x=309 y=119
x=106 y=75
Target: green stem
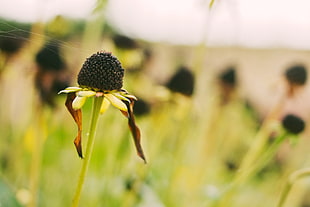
x=35 y=170
x=292 y=179
x=265 y=157
x=253 y=154
x=89 y=148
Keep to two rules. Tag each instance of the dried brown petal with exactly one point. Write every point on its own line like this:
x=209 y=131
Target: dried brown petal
x=77 y=116
x=135 y=131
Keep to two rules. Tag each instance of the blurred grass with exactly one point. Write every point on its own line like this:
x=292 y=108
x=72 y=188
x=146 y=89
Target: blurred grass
x=193 y=145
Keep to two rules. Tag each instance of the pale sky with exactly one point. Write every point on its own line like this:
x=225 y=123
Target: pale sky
x=254 y=23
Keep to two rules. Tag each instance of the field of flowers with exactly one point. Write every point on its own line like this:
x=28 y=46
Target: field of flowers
x=220 y=127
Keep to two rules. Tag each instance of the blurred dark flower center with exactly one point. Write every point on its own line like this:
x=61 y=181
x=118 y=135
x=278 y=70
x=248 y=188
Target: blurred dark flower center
x=228 y=76
x=49 y=57
x=293 y=124
x=182 y=81
x=296 y=74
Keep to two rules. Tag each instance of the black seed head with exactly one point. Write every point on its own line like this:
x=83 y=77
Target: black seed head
x=49 y=58
x=293 y=124
x=182 y=81
x=10 y=45
x=124 y=42
x=141 y=107
x=101 y=71
x=228 y=76
x=296 y=74
x=13 y=39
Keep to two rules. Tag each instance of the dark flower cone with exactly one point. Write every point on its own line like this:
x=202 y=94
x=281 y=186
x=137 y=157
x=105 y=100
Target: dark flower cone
x=293 y=124
x=124 y=42
x=49 y=57
x=101 y=71
x=296 y=75
x=228 y=77
x=182 y=82
x=141 y=107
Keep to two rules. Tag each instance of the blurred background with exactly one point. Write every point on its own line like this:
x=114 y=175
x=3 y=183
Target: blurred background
x=211 y=77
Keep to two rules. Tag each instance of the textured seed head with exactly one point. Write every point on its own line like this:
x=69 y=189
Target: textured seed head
x=296 y=74
x=101 y=71
x=293 y=124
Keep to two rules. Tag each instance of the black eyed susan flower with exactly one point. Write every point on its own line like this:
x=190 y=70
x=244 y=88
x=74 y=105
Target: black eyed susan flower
x=228 y=77
x=141 y=107
x=51 y=75
x=124 y=42
x=102 y=76
x=293 y=124
x=227 y=83
x=296 y=77
x=49 y=57
x=296 y=74
x=182 y=81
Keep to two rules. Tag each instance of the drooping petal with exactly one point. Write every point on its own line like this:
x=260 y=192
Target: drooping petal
x=121 y=97
x=70 y=90
x=135 y=131
x=78 y=102
x=131 y=96
x=86 y=93
x=104 y=106
x=116 y=102
x=77 y=116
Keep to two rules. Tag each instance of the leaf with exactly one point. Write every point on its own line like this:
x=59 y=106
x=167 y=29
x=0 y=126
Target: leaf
x=77 y=116
x=135 y=131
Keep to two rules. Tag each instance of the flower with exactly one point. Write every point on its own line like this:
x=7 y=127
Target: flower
x=182 y=81
x=227 y=83
x=296 y=77
x=51 y=75
x=228 y=77
x=296 y=74
x=102 y=76
x=124 y=42
x=141 y=107
x=293 y=124
x=49 y=57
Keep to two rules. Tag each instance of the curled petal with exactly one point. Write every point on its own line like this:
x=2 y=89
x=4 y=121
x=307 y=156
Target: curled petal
x=104 y=106
x=121 y=97
x=78 y=102
x=131 y=96
x=86 y=93
x=116 y=102
x=77 y=116
x=70 y=90
x=135 y=131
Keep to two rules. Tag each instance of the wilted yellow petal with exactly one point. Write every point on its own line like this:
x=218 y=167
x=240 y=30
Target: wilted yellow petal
x=78 y=102
x=120 y=96
x=116 y=102
x=70 y=90
x=104 y=106
x=130 y=96
x=86 y=93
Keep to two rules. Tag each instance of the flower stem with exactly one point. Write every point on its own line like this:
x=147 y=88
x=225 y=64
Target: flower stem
x=89 y=148
x=292 y=179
